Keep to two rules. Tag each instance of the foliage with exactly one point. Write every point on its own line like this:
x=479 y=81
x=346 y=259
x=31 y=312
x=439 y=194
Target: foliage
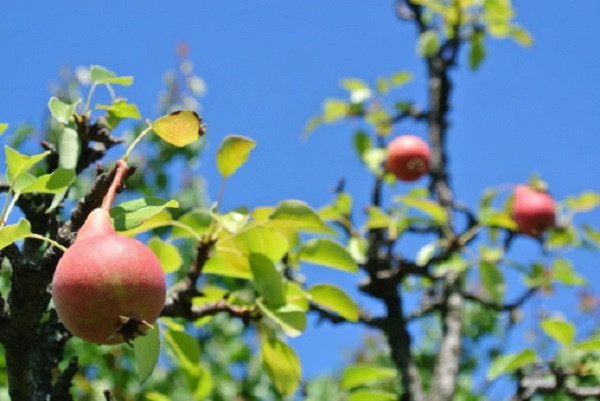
x=237 y=291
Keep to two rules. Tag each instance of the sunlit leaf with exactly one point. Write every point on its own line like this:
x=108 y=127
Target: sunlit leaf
x=336 y=299
x=429 y=207
x=168 y=254
x=559 y=330
x=583 y=203
x=428 y=44
x=180 y=128
x=54 y=183
x=232 y=221
x=131 y=214
x=521 y=36
x=359 y=90
x=291 y=318
x=100 y=75
x=3 y=127
x=296 y=214
x=233 y=153
x=197 y=220
x=147 y=349
x=363 y=373
x=14 y=232
x=334 y=109
x=507 y=363
x=401 y=78
x=69 y=149
x=564 y=273
x=372 y=395
x=426 y=253
x=591 y=345
x=282 y=365
x=62 y=112
x=18 y=164
x=121 y=109
x=328 y=253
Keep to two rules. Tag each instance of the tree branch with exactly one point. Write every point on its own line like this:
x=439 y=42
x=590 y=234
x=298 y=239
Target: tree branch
x=363 y=317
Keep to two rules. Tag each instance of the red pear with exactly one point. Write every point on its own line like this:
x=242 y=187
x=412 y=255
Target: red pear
x=108 y=288
x=534 y=211
x=409 y=157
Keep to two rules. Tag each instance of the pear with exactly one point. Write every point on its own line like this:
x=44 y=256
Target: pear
x=108 y=288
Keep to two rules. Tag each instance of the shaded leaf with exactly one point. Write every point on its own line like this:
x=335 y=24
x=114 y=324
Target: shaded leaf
x=492 y=280
x=233 y=153
x=197 y=220
x=186 y=350
x=296 y=214
x=268 y=281
x=146 y=350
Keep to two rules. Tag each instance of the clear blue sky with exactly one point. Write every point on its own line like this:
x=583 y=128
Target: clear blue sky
x=269 y=65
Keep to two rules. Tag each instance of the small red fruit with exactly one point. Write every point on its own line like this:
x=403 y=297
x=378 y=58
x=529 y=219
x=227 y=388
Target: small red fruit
x=409 y=158
x=534 y=211
x=108 y=288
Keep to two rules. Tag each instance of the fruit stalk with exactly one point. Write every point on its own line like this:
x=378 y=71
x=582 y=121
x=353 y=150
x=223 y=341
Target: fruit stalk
x=120 y=174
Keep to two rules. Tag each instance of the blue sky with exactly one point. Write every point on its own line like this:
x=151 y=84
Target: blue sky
x=269 y=66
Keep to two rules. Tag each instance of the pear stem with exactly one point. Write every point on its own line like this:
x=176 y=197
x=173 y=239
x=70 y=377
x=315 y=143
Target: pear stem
x=121 y=170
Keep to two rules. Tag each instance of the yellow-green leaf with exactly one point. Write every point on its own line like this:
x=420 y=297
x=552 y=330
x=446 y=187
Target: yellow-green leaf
x=147 y=349
x=167 y=254
x=281 y=365
x=326 y=252
x=233 y=153
x=334 y=298
x=179 y=128
x=362 y=373
x=507 y=363
x=559 y=330
x=14 y=232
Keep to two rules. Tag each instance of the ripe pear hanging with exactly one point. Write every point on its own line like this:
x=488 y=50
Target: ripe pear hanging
x=108 y=288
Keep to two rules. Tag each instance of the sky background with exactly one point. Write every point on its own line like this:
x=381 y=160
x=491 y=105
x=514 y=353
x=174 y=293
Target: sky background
x=268 y=67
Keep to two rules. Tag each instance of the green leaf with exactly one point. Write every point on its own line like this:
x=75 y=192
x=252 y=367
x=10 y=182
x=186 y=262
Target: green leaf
x=62 y=112
x=186 y=350
x=428 y=44
x=455 y=264
x=372 y=395
x=168 y=254
x=334 y=109
x=477 y=50
x=429 y=207
x=426 y=253
x=585 y=202
x=492 y=280
x=291 y=318
x=561 y=331
x=147 y=349
x=334 y=298
x=281 y=365
x=232 y=221
x=14 y=232
x=359 y=90
x=296 y=295
x=180 y=128
x=121 y=109
x=3 y=127
x=363 y=373
x=197 y=220
x=231 y=258
x=268 y=281
x=100 y=75
x=494 y=218
x=326 y=252
x=133 y=213
x=565 y=274
x=521 y=36
x=296 y=214
x=161 y=219
x=507 y=363
x=378 y=218
x=312 y=124
x=401 y=78
x=233 y=153
x=18 y=164
x=362 y=143
x=69 y=149
x=54 y=183
x=374 y=158
x=591 y=345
